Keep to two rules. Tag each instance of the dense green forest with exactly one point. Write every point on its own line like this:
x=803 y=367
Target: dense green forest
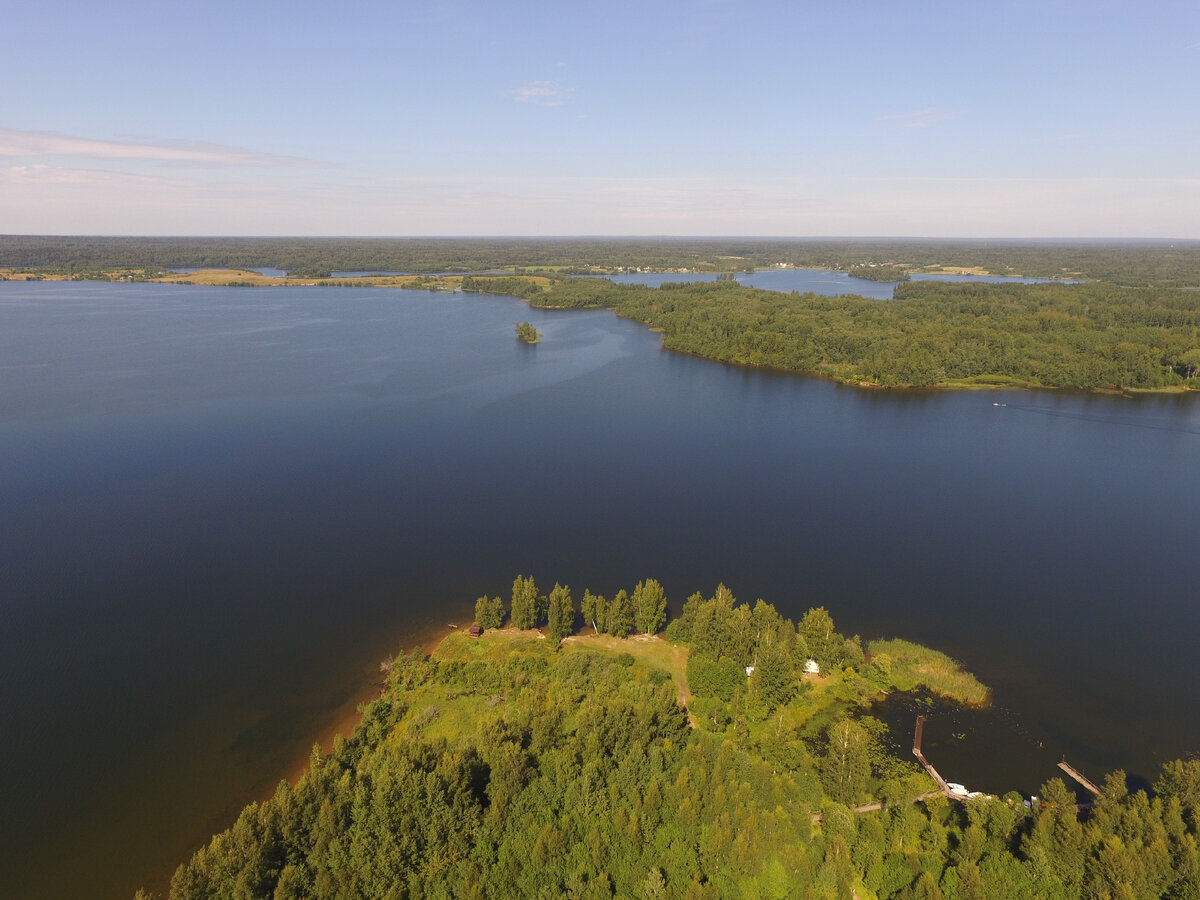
x=1134 y=263
x=933 y=333
x=881 y=273
x=523 y=764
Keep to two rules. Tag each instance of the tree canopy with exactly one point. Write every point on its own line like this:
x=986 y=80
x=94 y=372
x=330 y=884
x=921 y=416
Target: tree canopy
x=507 y=766
x=1087 y=336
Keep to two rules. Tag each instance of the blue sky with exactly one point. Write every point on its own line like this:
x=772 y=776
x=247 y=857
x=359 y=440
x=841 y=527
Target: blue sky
x=955 y=119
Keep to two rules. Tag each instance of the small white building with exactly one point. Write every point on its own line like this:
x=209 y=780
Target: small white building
x=749 y=671
x=811 y=667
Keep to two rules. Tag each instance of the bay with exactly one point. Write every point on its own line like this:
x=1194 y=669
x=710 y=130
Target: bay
x=816 y=281
x=223 y=507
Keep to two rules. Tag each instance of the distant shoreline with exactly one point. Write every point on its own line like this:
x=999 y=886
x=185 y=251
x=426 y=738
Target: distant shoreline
x=453 y=283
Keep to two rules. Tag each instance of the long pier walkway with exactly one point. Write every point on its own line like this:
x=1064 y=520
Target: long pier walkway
x=941 y=782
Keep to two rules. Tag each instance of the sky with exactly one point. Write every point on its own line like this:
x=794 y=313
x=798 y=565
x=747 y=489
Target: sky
x=661 y=117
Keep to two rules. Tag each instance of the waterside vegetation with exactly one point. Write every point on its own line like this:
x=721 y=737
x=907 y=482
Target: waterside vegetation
x=525 y=764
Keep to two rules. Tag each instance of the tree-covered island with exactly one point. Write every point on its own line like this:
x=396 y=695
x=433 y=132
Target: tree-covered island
x=734 y=758
x=527 y=334
x=878 y=272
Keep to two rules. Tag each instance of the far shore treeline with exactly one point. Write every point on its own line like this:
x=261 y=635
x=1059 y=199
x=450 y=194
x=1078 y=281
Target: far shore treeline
x=737 y=757
x=1133 y=324
x=1142 y=263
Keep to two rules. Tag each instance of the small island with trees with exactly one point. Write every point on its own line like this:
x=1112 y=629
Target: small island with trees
x=527 y=334
x=733 y=756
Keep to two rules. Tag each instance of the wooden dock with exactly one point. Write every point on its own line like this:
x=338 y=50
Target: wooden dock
x=918 y=736
x=1078 y=776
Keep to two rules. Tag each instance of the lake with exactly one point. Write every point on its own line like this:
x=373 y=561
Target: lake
x=223 y=507
x=815 y=281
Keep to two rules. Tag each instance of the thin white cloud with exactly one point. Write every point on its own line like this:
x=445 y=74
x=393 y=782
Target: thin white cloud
x=920 y=118
x=43 y=174
x=18 y=144
x=541 y=93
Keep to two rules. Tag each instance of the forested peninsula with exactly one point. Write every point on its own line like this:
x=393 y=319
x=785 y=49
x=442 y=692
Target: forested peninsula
x=933 y=334
x=733 y=757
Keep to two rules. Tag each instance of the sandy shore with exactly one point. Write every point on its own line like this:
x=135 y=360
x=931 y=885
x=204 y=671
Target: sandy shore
x=343 y=720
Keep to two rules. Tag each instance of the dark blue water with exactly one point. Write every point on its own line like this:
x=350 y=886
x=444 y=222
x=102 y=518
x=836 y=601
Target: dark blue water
x=222 y=507
x=816 y=281
x=993 y=279
x=364 y=273
x=266 y=271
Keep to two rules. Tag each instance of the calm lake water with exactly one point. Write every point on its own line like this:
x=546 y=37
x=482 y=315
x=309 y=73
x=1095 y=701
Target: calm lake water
x=222 y=508
x=816 y=281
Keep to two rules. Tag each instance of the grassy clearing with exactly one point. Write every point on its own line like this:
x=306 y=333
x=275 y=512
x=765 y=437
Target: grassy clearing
x=8 y=274
x=221 y=278
x=494 y=646
x=939 y=269
x=653 y=652
x=437 y=711
x=911 y=665
x=986 y=382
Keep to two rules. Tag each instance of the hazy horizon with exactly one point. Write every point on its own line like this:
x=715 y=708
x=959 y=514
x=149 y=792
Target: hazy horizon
x=869 y=238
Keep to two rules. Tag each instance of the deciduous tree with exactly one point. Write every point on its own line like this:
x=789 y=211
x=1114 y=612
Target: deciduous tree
x=561 y=613
x=650 y=606
x=620 y=616
x=524 y=603
x=489 y=613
